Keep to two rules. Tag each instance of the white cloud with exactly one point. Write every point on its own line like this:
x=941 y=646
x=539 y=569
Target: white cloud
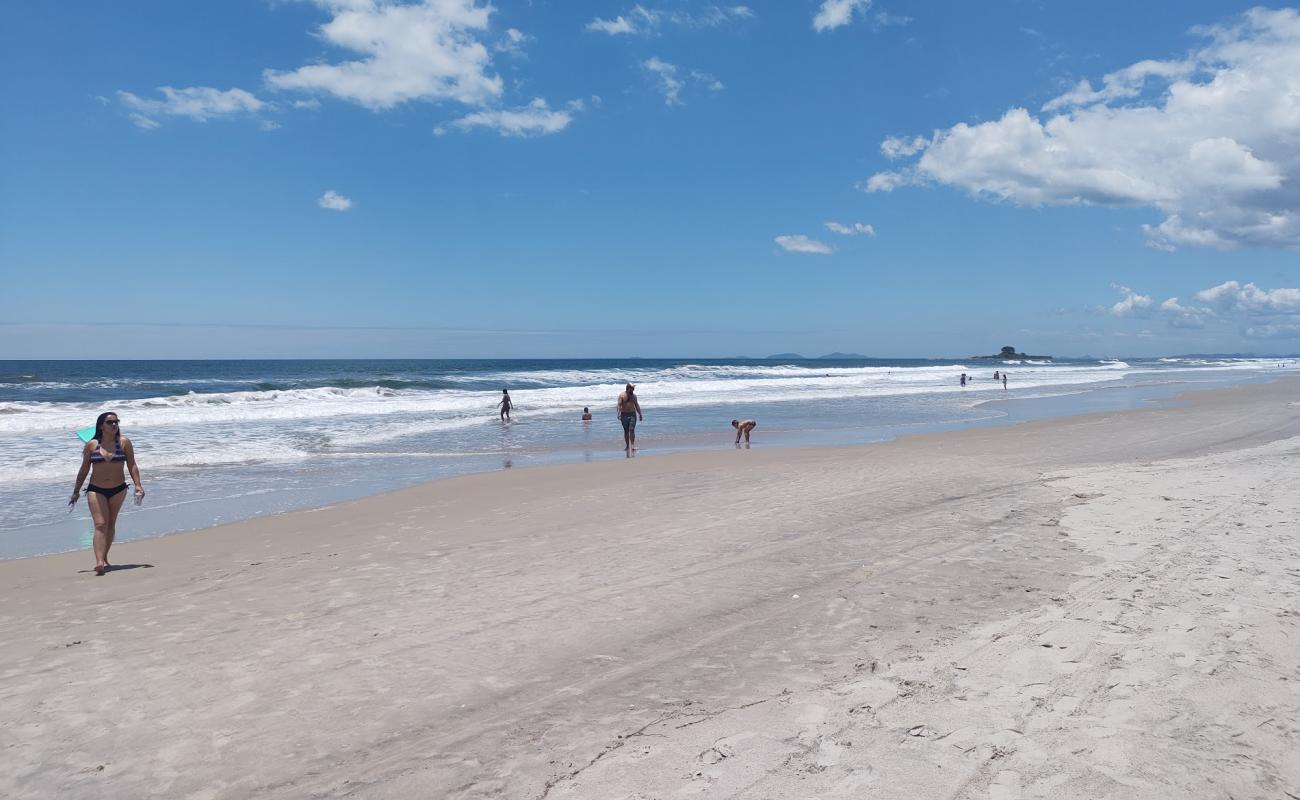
x=885 y=182
x=512 y=43
x=670 y=85
x=310 y=103
x=1290 y=330
x=638 y=20
x=1133 y=304
x=1231 y=296
x=424 y=51
x=856 y=229
x=707 y=81
x=884 y=19
x=666 y=75
x=1181 y=316
x=1211 y=141
x=895 y=147
x=199 y=103
x=643 y=21
x=1259 y=313
x=798 y=243
x=612 y=26
x=334 y=201
x=1122 y=84
x=534 y=119
x=837 y=13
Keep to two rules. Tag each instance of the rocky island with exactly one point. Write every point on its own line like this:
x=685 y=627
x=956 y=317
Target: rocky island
x=1009 y=352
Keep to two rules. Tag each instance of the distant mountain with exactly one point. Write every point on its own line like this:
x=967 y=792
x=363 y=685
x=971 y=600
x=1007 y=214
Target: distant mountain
x=788 y=357
x=841 y=356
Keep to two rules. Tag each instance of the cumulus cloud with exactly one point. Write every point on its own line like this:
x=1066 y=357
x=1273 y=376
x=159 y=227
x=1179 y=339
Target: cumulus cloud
x=1231 y=296
x=836 y=13
x=199 y=103
x=1181 y=316
x=798 y=243
x=643 y=21
x=1211 y=141
x=534 y=119
x=334 y=201
x=856 y=229
x=1259 y=313
x=1133 y=304
x=424 y=51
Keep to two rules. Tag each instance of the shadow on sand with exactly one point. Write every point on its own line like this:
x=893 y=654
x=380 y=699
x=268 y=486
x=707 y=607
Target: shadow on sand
x=116 y=568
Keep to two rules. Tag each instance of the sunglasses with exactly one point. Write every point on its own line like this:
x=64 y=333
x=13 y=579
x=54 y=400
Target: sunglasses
x=110 y=422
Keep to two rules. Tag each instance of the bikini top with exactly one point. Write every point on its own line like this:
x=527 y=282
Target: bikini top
x=97 y=456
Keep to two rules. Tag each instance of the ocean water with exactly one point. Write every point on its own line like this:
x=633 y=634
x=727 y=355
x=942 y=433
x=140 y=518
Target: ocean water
x=219 y=441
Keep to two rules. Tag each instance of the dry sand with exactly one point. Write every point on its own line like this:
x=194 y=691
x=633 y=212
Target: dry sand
x=1104 y=606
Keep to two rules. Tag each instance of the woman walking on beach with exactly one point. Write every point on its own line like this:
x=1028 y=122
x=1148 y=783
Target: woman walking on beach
x=107 y=489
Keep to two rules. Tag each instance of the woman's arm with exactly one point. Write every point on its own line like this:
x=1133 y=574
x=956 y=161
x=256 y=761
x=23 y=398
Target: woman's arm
x=130 y=465
x=81 y=473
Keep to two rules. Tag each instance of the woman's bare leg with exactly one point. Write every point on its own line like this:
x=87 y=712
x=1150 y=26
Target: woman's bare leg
x=114 y=508
x=99 y=512
x=104 y=512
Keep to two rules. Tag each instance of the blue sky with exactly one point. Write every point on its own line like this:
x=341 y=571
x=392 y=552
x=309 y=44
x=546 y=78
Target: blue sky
x=358 y=178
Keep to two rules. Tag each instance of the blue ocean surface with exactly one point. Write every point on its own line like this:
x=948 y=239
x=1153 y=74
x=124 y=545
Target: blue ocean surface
x=219 y=441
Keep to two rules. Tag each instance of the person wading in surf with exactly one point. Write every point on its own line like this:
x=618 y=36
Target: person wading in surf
x=629 y=412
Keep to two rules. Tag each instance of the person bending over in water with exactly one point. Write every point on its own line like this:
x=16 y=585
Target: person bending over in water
x=107 y=489
x=743 y=426
x=505 y=405
x=629 y=411
x=586 y=415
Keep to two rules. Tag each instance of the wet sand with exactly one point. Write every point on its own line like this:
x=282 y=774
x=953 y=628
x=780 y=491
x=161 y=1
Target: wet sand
x=1103 y=606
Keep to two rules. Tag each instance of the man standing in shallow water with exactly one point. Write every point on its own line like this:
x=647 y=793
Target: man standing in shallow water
x=629 y=411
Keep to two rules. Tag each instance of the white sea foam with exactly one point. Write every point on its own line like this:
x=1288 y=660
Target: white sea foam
x=207 y=429
x=683 y=386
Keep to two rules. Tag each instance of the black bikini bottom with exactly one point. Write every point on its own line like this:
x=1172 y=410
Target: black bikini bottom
x=107 y=492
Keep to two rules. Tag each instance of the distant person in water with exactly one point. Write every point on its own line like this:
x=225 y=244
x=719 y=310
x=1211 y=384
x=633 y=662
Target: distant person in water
x=1004 y=381
x=107 y=489
x=963 y=379
x=586 y=415
x=996 y=376
x=629 y=412
x=505 y=405
x=743 y=427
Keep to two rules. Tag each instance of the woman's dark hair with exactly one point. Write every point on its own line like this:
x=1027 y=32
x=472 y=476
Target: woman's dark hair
x=99 y=427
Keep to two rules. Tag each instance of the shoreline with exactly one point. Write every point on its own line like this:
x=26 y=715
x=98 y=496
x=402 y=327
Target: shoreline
x=1010 y=411
x=774 y=624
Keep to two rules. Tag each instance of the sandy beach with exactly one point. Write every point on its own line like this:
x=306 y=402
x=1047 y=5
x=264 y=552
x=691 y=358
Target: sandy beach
x=1102 y=606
